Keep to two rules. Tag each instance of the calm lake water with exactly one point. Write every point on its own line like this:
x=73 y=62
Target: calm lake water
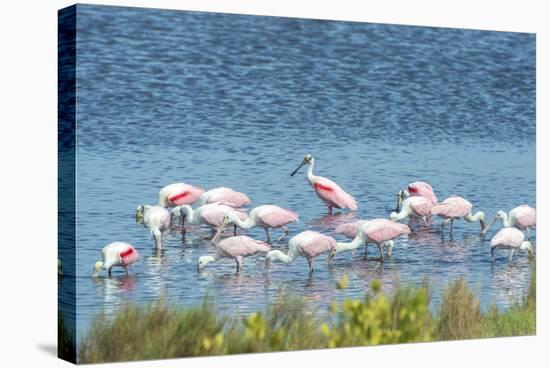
x=214 y=99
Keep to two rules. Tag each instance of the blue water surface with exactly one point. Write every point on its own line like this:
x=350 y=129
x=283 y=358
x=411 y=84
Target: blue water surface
x=218 y=99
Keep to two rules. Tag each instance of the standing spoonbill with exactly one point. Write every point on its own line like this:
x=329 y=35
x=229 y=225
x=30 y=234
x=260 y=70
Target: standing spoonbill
x=326 y=189
x=236 y=247
x=308 y=244
x=381 y=232
x=416 y=189
x=178 y=194
x=223 y=195
x=266 y=216
x=415 y=207
x=156 y=219
x=510 y=238
x=208 y=214
x=116 y=254
x=522 y=217
x=456 y=207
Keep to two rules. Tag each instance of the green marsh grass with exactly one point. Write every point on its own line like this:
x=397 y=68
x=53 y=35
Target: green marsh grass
x=162 y=331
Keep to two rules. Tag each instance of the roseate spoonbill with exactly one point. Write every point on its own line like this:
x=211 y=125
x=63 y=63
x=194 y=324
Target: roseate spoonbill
x=510 y=238
x=266 y=216
x=326 y=189
x=522 y=217
x=414 y=206
x=223 y=195
x=416 y=189
x=454 y=208
x=351 y=229
x=116 y=254
x=236 y=247
x=308 y=244
x=208 y=214
x=178 y=194
x=381 y=232
x=156 y=219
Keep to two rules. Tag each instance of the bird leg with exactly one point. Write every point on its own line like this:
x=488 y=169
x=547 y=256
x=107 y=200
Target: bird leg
x=239 y=261
x=528 y=235
x=285 y=233
x=267 y=235
x=381 y=252
x=366 y=249
x=446 y=221
x=126 y=269
x=425 y=221
x=452 y=223
x=511 y=255
x=310 y=264
x=330 y=210
x=390 y=247
x=493 y=253
x=109 y=271
x=182 y=220
x=234 y=230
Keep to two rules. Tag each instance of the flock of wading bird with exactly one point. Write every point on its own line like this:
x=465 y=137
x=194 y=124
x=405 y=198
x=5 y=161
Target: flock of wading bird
x=222 y=207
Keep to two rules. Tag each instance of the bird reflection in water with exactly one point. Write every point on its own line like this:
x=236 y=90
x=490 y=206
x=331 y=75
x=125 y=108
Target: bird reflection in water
x=509 y=281
x=331 y=221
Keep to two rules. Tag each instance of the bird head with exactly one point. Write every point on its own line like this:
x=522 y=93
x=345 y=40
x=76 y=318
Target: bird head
x=308 y=159
x=401 y=195
x=174 y=214
x=526 y=245
x=97 y=268
x=139 y=212
x=203 y=261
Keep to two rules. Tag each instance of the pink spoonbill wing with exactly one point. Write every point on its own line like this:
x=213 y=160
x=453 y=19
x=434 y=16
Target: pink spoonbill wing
x=315 y=243
x=333 y=195
x=242 y=246
x=128 y=256
x=229 y=197
x=421 y=206
x=350 y=230
x=275 y=216
x=509 y=236
x=452 y=207
x=380 y=230
x=214 y=214
x=525 y=216
x=422 y=189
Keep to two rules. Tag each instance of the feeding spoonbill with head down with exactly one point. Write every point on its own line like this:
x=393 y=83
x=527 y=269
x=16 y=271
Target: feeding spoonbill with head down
x=522 y=217
x=329 y=192
x=308 y=244
x=510 y=238
x=266 y=216
x=350 y=230
x=156 y=219
x=178 y=194
x=454 y=208
x=415 y=207
x=416 y=189
x=236 y=247
x=208 y=214
x=116 y=254
x=381 y=232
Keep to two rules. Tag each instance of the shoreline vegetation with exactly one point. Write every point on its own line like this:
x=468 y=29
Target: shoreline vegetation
x=159 y=331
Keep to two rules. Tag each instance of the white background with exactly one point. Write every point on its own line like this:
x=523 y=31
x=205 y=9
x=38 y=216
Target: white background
x=28 y=181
